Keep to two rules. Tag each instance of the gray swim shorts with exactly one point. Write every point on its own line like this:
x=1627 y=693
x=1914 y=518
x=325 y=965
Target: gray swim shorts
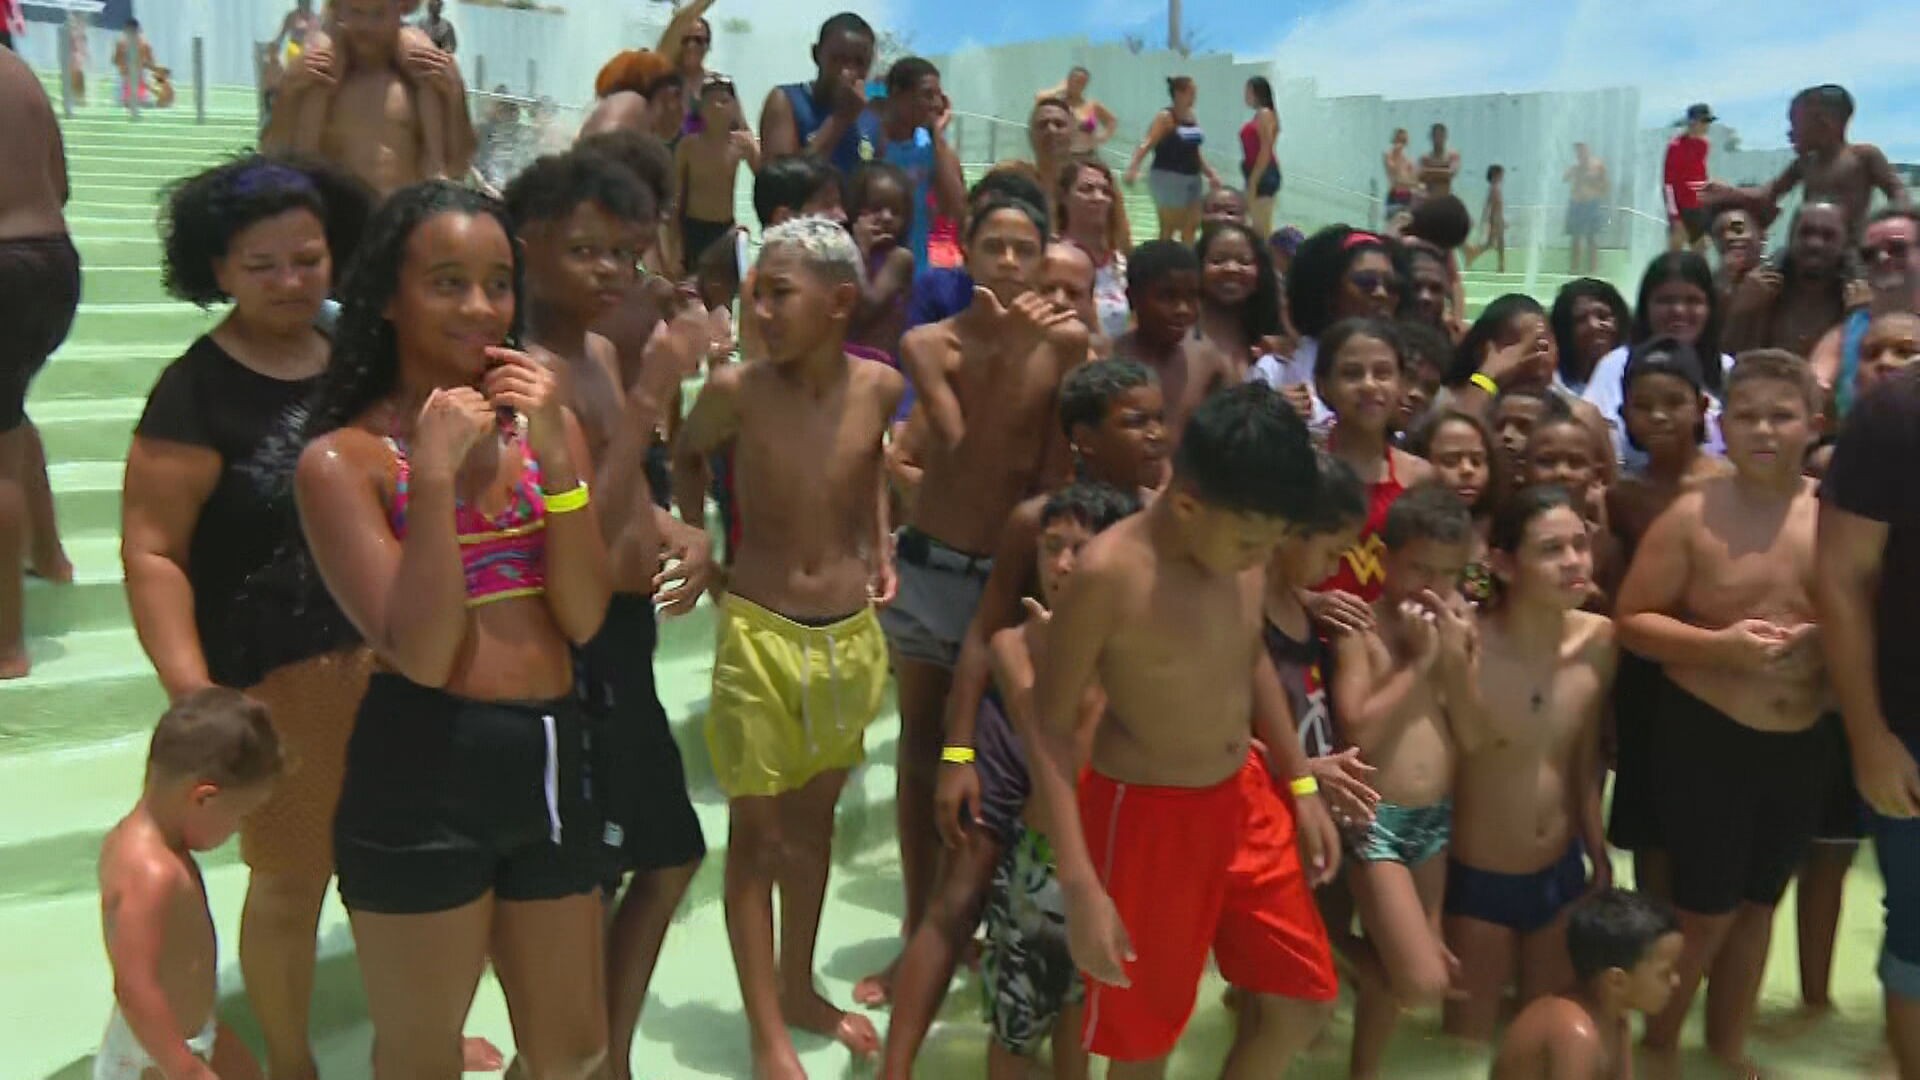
x=939 y=590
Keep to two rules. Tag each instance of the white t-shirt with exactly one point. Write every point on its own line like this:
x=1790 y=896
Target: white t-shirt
x=1281 y=371
x=1605 y=393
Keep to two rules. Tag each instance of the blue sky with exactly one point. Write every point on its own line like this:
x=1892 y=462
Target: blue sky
x=1746 y=57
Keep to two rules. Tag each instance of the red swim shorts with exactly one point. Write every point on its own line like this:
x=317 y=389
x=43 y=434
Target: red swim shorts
x=1192 y=869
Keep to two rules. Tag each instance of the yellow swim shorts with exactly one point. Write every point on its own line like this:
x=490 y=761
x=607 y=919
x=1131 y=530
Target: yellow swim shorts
x=790 y=701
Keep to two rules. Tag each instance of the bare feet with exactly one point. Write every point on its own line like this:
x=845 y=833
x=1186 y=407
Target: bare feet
x=811 y=1012
x=479 y=1055
x=14 y=663
x=876 y=990
x=53 y=568
x=778 y=1063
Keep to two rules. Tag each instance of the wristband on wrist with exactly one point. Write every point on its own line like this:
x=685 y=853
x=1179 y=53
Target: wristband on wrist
x=566 y=502
x=1303 y=786
x=1484 y=381
x=956 y=755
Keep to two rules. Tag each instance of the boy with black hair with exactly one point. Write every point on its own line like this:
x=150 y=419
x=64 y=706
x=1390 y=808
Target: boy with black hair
x=800 y=661
x=1826 y=167
x=797 y=186
x=582 y=219
x=913 y=133
x=985 y=384
x=828 y=118
x=940 y=292
x=1163 y=289
x=1721 y=594
x=1624 y=948
x=212 y=760
x=1164 y=610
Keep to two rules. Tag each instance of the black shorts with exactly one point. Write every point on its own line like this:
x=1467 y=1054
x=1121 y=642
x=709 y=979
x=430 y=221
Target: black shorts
x=1633 y=822
x=1694 y=218
x=447 y=799
x=1002 y=763
x=39 y=294
x=1737 y=807
x=1269 y=184
x=698 y=236
x=638 y=778
x=1843 y=815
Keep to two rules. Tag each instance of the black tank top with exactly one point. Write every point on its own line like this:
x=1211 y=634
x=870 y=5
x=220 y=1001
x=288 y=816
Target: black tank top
x=1179 y=150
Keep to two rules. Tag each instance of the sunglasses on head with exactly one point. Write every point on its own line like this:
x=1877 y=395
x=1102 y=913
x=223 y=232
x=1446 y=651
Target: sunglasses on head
x=1374 y=281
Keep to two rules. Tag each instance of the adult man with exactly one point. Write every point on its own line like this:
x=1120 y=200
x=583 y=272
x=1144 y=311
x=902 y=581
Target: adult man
x=828 y=117
x=1891 y=253
x=1829 y=167
x=1438 y=168
x=1586 y=208
x=438 y=29
x=1868 y=590
x=1683 y=176
x=1789 y=304
x=39 y=291
x=913 y=125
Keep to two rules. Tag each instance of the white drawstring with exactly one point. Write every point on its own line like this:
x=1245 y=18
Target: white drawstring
x=552 y=779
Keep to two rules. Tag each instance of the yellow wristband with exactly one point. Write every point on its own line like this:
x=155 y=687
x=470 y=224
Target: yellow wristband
x=956 y=755
x=566 y=502
x=1485 y=382
x=1304 y=786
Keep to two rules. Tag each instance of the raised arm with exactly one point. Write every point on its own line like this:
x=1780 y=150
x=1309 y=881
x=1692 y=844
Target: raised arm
x=166 y=486
x=137 y=910
x=1104 y=125
x=677 y=28
x=710 y=424
x=949 y=186
x=1369 y=703
x=923 y=359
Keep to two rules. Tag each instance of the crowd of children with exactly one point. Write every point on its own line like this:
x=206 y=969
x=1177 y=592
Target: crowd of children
x=1242 y=600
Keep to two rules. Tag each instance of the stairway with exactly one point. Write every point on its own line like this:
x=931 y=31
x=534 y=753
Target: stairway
x=72 y=736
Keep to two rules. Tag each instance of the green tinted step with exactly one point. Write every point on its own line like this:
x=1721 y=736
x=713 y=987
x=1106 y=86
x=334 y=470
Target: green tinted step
x=112 y=227
x=111 y=284
x=95 y=430
x=86 y=494
x=86 y=687
x=130 y=210
x=96 y=599
x=90 y=372
x=168 y=323
x=110 y=250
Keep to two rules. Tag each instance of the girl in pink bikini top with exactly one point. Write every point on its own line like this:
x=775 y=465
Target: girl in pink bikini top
x=504 y=555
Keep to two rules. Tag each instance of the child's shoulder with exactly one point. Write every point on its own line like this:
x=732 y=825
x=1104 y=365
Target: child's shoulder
x=1560 y=1026
x=1590 y=636
x=133 y=857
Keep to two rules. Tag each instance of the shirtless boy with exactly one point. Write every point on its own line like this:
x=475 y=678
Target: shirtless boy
x=1163 y=288
x=1828 y=168
x=1721 y=594
x=1402 y=174
x=1526 y=809
x=1624 y=947
x=1438 y=168
x=376 y=98
x=708 y=165
x=213 y=758
x=1392 y=685
x=800 y=665
x=1164 y=610
x=582 y=219
x=985 y=383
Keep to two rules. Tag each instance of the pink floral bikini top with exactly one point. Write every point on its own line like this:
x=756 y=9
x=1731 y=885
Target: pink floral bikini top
x=504 y=555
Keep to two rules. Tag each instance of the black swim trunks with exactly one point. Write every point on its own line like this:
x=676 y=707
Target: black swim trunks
x=39 y=293
x=447 y=799
x=1633 y=822
x=1737 y=806
x=1002 y=764
x=637 y=775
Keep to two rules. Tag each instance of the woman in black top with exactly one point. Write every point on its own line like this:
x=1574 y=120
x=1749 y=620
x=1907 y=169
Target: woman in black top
x=199 y=525
x=1175 y=179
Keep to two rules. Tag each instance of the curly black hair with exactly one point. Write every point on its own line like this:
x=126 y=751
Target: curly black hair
x=1320 y=267
x=1090 y=390
x=1094 y=505
x=1260 y=312
x=204 y=212
x=860 y=184
x=646 y=155
x=553 y=186
x=366 y=363
x=790 y=183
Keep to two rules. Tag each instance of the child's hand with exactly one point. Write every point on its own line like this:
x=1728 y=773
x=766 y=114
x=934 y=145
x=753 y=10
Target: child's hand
x=449 y=424
x=1345 y=786
x=1036 y=612
x=1453 y=621
x=1096 y=938
x=1337 y=611
x=1300 y=396
x=869 y=236
x=885 y=584
x=1420 y=630
x=1319 y=839
x=528 y=386
x=956 y=803
x=686 y=571
x=1751 y=645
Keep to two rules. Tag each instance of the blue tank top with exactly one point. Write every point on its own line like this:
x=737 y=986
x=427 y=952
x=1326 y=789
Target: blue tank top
x=860 y=144
x=1179 y=150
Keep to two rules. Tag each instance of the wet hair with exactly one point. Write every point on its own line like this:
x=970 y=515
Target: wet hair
x=790 y=183
x=1262 y=91
x=1828 y=98
x=1615 y=929
x=1560 y=319
x=1340 y=499
x=204 y=213
x=1420 y=444
x=1260 y=311
x=365 y=366
x=1090 y=390
x=216 y=736
x=1495 y=172
x=845 y=23
x=860 y=187
x=1320 y=268
x=1426 y=511
x=1032 y=212
x=1776 y=365
x=1154 y=260
x=1486 y=329
x=1012 y=180
x=1245 y=450
x=554 y=186
x=1690 y=267
x=1177 y=83
x=1443 y=221
x=826 y=247
x=1512 y=516
x=645 y=155
x=1094 y=505
x=638 y=70
x=1338 y=335
x=907 y=73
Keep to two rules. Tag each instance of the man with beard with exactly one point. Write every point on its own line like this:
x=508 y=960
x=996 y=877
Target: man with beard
x=1891 y=252
x=1788 y=304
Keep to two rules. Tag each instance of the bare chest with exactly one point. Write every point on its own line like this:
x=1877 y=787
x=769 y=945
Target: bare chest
x=1754 y=568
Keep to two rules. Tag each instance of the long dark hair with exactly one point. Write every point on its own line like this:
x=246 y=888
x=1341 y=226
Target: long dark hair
x=1320 y=268
x=1259 y=312
x=1690 y=267
x=366 y=364
x=1561 y=321
x=1262 y=91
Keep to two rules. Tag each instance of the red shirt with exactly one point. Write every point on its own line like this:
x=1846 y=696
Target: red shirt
x=1686 y=169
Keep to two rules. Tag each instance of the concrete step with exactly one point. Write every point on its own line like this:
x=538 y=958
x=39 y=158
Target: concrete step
x=85 y=373
x=111 y=250
x=94 y=429
x=110 y=226
x=91 y=210
x=86 y=687
x=121 y=284
x=96 y=598
x=142 y=325
x=86 y=494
